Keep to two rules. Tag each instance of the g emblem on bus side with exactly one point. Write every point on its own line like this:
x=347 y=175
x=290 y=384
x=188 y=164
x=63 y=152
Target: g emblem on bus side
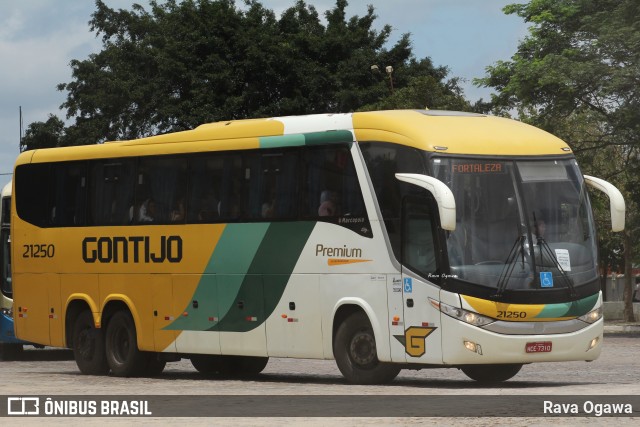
x=414 y=340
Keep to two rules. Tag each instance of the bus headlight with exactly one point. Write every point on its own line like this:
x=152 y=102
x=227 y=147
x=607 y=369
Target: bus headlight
x=592 y=316
x=466 y=316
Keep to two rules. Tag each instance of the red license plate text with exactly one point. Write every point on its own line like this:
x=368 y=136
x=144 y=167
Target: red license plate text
x=538 y=347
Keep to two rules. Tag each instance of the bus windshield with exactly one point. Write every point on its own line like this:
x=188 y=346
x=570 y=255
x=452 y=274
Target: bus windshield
x=521 y=224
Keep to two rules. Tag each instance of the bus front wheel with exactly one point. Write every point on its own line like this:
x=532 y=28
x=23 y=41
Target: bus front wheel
x=123 y=356
x=488 y=374
x=88 y=346
x=210 y=364
x=356 y=354
x=247 y=366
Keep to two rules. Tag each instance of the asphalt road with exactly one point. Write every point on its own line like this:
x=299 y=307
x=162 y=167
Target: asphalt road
x=615 y=374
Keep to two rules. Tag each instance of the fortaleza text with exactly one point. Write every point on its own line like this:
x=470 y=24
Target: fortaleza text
x=588 y=408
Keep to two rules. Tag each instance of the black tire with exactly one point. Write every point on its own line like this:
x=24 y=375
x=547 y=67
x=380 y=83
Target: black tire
x=211 y=364
x=242 y=366
x=249 y=366
x=354 y=348
x=490 y=374
x=10 y=351
x=88 y=346
x=123 y=356
x=154 y=365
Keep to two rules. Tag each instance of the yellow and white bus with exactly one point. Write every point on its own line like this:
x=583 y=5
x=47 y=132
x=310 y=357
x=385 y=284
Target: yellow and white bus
x=383 y=240
x=10 y=346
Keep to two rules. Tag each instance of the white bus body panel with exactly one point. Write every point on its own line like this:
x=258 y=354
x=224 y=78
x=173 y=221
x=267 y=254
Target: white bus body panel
x=497 y=348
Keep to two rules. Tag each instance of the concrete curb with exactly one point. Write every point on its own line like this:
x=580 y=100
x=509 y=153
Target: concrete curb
x=622 y=328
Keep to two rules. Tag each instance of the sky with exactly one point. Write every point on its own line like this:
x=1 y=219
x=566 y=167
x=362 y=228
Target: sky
x=39 y=38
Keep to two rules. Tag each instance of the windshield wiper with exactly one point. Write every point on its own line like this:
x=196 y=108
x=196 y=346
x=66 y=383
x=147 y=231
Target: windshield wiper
x=510 y=264
x=545 y=249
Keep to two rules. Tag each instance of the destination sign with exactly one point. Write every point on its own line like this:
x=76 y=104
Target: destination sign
x=478 y=167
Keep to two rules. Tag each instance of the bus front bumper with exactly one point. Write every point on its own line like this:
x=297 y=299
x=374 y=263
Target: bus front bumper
x=464 y=344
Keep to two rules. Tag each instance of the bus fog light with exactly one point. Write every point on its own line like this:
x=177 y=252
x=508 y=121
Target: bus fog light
x=471 y=346
x=594 y=342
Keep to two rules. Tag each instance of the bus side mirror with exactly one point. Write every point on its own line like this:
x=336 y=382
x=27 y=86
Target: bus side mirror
x=442 y=194
x=616 y=201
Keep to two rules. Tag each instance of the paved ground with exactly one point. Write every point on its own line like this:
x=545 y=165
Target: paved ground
x=616 y=372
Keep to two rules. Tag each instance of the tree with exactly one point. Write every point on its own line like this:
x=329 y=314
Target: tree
x=576 y=74
x=182 y=64
x=47 y=134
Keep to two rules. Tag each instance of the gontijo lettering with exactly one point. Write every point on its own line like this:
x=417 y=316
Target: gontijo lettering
x=136 y=249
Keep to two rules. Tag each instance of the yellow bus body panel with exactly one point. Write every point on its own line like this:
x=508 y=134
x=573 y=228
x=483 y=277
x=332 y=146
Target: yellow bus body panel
x=459 y=134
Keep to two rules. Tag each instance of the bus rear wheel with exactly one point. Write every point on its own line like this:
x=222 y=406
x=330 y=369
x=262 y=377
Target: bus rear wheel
x=88 y=346
x=154 y=365
x=123 y=356
x=488 y=374
x=355 y=351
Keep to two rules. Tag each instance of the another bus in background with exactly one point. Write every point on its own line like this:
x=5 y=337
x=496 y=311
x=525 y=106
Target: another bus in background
x=10 y=346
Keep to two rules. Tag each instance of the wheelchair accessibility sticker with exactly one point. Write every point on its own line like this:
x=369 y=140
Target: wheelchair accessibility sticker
x=408 y=285
x=546 y=279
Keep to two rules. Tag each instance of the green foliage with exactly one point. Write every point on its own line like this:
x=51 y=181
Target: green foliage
x=47 y=134
x=184 y=63
x=577 y=75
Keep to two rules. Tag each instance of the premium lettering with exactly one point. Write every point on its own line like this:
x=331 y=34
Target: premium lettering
x=134 y=249
x=343 y=252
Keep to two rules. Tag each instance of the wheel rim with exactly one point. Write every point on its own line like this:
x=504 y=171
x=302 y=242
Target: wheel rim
x=121 y=345
x=86 y=344
x=363 y=349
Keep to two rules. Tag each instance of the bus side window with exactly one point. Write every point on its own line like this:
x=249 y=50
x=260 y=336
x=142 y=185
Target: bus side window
x=68 y=196
x=215 y=188
x=32 y=188
x=161 y=181
x=111 y=194
x=273 y=180
x=330 y=186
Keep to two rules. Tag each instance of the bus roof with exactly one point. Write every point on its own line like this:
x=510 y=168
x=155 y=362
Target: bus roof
x=429 y=130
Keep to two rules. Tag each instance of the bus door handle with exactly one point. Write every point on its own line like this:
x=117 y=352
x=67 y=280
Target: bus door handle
x=410 y=302
x=240 y=305
x=195 y=303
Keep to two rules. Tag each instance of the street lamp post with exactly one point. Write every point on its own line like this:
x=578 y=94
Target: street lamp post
x=389 y=70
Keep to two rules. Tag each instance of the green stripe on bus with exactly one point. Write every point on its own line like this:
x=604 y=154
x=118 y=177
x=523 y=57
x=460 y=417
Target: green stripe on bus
x=267 y=277
x=312 y=138
x=246 y=276
x=223 y=277
x=569 y=309
x=282 y=141
x=328 y=137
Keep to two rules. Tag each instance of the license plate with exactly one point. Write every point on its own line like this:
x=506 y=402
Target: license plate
x=538 y=347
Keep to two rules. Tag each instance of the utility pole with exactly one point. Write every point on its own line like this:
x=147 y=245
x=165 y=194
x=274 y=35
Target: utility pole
x=20 y=147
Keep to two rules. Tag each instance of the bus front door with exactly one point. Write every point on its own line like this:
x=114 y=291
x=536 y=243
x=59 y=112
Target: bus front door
x=422 y=335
